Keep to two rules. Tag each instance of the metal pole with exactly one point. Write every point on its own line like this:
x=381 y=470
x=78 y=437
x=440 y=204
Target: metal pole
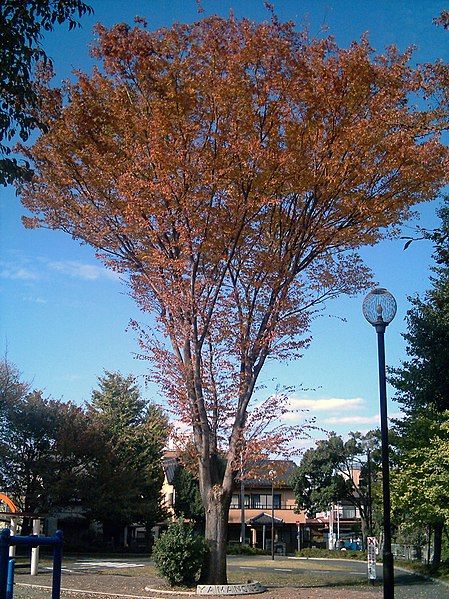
x=388 y=572
x=370 y=498
x=331 y=527
x=4 y=558
x=35 y=550
x=57 y=564
x=338 y=526
x=242 y=510
x=13 y=529
x=10 y=583
x=272 y=518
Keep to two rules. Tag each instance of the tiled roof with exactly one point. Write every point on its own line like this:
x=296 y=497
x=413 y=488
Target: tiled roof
x=264 y=518
x=259 y=475
x=170 y=465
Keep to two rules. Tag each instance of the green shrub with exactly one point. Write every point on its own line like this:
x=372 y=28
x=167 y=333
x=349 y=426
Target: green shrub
x=325 y=553
x=178 y=553
x=237 y=549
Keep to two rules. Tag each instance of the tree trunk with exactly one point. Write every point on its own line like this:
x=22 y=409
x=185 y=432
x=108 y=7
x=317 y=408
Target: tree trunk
x=437 y=541
x=216 y=534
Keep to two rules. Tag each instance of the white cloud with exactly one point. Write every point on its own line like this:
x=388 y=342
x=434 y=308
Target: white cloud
x=34 y=300
x=18 y=273
x=326 y=405
x=353 y=420
x=80 y=270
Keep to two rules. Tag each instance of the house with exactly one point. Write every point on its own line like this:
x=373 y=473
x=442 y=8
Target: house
x=266 y=500
x=169 y=465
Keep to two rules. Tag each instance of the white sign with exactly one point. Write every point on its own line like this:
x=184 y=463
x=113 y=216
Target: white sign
x=371 y=551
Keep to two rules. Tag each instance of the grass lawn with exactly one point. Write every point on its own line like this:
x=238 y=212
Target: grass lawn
x=279 y=573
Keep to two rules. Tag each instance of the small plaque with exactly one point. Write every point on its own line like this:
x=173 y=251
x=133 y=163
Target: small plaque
x=230 y=589
x=371 y=551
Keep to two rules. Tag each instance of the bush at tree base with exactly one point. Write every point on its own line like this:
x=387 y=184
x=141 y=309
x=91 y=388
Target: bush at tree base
x=178 y=553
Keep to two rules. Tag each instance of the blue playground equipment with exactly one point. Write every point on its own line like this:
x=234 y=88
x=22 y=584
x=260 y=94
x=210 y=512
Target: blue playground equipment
x=7 y=564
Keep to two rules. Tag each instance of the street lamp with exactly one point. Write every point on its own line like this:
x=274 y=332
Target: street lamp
x=242 y=505
x=379 y=309
x=272 y=474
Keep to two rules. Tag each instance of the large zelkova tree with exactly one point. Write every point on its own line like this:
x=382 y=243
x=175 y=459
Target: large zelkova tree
x=328 y=474
x=232 y=170
x=127 y=480
x=22 y=24
x=422 y=389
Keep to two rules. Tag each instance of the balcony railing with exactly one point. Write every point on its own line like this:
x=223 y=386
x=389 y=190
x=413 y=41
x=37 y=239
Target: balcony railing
x=264 y=506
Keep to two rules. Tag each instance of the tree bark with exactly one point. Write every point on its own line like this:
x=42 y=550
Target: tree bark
x=216 y=534
x=437 y=542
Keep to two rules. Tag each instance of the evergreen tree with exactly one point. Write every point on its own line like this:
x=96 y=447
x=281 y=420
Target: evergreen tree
x=188 y=502
x=127 y=484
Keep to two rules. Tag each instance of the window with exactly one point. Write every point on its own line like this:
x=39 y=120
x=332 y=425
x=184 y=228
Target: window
x=263 y=501
x=349 y=511
x=236 y=503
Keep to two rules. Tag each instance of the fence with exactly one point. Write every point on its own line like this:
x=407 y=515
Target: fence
x=7 y=564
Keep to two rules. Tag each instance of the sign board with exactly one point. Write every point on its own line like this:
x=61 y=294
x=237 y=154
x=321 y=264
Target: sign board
x=371 y=551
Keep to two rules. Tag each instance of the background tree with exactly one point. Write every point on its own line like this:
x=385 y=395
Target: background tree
x=420 y=484
x=231 y=169
x=46 y=447
x=12 y=388
x=422 y=389
x=337 y=470
x=188 y=502
x=21 y=26
x=128 y=479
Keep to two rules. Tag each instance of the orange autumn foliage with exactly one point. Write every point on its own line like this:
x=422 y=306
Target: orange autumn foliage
x=232 y=170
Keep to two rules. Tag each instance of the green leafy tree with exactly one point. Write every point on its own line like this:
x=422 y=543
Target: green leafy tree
x=326 y=475
x=421 y=484
x=422 y=389
x=21 y=26
x=188 y=498
x=127 y=484
x=46 y=447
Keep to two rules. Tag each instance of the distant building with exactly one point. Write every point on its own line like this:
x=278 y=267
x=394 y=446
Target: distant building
x=269 y=500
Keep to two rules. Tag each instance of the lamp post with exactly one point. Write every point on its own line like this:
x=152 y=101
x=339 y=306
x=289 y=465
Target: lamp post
x=242 y=505
x=272 y=475
x=379 y=309
x=370 y=495
x=242 y=512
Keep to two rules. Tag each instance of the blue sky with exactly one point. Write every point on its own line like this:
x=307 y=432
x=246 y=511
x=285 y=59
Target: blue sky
x=63 y=317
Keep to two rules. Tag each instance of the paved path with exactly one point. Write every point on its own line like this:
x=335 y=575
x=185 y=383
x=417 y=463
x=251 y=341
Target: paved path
x=333 y=573
x=295 y=579
x=96 y=564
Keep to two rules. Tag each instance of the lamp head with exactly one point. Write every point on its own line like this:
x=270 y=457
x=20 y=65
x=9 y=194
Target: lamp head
x=379 y=307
